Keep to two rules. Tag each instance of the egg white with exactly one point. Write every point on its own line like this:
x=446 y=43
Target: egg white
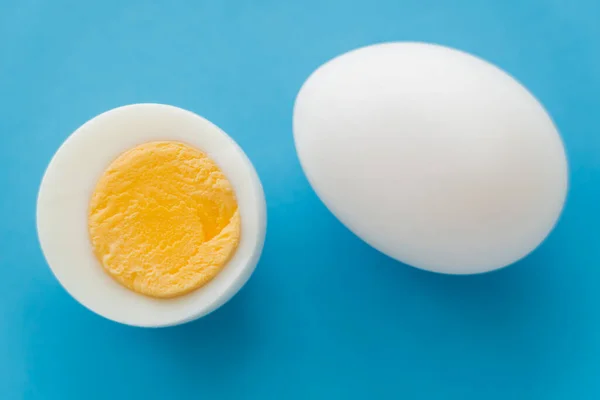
x=70 y=179
x=435 y=157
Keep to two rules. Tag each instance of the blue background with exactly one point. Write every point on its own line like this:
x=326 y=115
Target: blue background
x=324 y=316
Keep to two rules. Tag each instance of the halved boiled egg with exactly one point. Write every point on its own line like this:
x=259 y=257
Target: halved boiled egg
x=150 y=215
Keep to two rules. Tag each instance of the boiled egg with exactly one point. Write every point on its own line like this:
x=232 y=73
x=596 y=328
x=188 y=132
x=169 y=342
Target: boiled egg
x=150 y=215
x=433 y=156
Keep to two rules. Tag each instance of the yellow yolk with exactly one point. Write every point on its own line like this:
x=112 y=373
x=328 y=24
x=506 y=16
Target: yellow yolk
x=163 y=219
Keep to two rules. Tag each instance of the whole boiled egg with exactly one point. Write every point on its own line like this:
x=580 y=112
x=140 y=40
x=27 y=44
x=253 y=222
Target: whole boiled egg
x=433 y=156
x=150 y=215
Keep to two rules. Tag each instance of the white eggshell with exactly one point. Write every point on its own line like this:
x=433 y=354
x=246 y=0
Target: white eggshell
x=432 y=156
x=63 y=200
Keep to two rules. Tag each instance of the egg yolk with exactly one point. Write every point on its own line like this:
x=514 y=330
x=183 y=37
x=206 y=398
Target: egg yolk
x=163 y=219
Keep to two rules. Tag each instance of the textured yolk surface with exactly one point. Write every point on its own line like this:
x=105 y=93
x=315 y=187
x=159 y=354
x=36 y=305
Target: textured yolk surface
x=163 y=219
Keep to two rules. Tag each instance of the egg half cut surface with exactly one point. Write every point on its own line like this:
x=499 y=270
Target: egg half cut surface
x=150 y=215
x=431 y=155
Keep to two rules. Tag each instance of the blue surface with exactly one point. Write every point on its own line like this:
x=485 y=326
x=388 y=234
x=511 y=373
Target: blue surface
x=324 y=316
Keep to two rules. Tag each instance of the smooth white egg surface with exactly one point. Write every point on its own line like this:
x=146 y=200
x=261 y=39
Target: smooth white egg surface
x=432 y=156
x=80 y=201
